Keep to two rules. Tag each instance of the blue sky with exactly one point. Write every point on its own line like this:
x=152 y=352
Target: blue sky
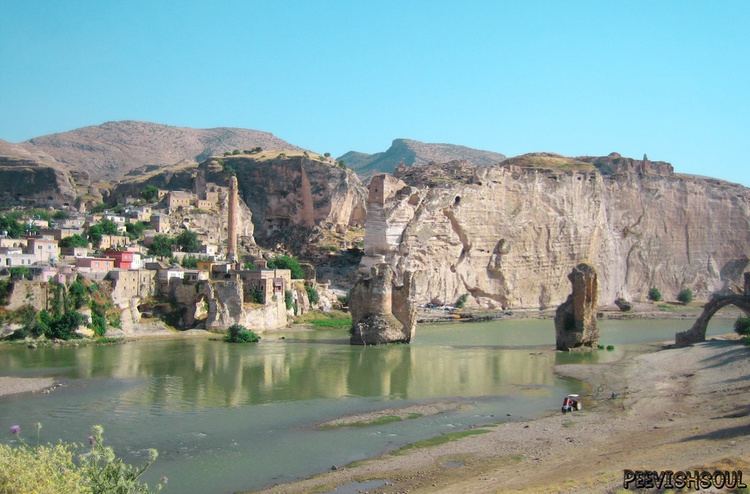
x=667 y=78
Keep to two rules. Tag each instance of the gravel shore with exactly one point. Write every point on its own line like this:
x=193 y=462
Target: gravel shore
x=673 y=409
x=15 y=385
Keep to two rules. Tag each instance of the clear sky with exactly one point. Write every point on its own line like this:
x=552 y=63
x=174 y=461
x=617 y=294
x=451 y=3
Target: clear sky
x=667 y=78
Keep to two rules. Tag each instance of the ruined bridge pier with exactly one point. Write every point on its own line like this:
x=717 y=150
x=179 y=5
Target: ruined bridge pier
x=697 y=333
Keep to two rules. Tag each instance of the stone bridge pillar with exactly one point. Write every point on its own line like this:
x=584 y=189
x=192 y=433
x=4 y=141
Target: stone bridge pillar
x=575 y=319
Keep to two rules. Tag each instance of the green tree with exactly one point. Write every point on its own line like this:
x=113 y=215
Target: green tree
x=287 y=262
x=187 y=241
x=135 y=230
x=161 y=246
x=654 y=294
x=78 y=294
x=685 y=296
x=150 y=193
x=461 y=302
x=288 y=299
x=75 y=240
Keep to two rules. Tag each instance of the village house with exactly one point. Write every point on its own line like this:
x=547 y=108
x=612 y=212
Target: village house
x=43 y=249
x=124 y=259
x=11 y=257
x=74 y=251
x=113 y=241
x=270 y=281
x=179 y=199
x=13 y=242
x=160 y=223
x=61 y=233
x=95 y=264
x=127 y=284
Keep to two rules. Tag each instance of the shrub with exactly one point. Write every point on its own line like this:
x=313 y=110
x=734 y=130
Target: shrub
x=189 y=262
x=257 y=295
x=249 y=265
x=287 y=262
x=461 y=301
x=654 y=294
x=742 y=325
x=74 y=241
x=685 y=296
x=312 y=294
x=5 y=287
x=240 y=334
x=610 y=347
x=135 y=230
x=288 y=299
x=20 y=272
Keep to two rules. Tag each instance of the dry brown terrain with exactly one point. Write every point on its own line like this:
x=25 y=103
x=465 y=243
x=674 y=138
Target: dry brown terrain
x=15 y=385
x=675 y=409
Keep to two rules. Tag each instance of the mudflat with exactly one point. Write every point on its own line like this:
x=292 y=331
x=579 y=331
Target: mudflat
x=672 y=409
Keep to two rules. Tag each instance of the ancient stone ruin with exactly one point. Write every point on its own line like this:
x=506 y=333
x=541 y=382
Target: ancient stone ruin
x=697 y=333
x=382 y=312
x=575 y=319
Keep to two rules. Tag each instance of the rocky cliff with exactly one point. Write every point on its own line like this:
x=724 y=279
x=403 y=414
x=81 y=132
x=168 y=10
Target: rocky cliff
x=290 y=195
x=508 y=235
x=33 y=178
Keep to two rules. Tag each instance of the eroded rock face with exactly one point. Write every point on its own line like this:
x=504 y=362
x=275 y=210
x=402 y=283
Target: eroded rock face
x=289 y=195
x=575 y=319
x=381 y=312
x=507 y=235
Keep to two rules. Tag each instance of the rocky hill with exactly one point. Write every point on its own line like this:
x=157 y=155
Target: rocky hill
x=31 y=177
x=509 y=234
x=109 y=151
x=410 y=152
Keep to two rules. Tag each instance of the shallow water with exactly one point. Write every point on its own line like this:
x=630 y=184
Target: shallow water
x=230 y=417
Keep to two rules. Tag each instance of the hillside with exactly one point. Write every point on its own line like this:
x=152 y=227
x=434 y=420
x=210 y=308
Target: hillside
x=410 y=152
x=109 y=151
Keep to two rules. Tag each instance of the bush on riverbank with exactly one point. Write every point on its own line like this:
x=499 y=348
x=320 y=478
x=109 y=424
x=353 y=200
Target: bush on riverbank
x=685 y=296
x=70 y=468
x=238 y=333
x=654 y=294
x=742 y=326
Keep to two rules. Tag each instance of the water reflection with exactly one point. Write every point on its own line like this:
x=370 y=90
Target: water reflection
x=191 y=374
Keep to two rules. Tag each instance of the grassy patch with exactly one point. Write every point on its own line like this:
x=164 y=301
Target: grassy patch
x=669 y=307
x=385 y=419
x=326 y=320
x=442 y=439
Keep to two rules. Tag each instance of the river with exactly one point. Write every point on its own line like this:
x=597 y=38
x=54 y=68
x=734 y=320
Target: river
x=231 y=417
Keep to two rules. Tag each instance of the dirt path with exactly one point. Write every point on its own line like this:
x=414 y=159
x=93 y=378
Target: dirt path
x=674 y=409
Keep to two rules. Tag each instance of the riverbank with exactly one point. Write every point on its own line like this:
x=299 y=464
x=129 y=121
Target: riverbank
x=676 y=408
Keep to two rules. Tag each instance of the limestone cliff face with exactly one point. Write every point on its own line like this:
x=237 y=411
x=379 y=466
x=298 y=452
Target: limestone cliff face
x=33 y=178
x=294 y=194
x=508 y=235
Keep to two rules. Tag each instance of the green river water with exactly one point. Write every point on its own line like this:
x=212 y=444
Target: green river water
x=234 y=417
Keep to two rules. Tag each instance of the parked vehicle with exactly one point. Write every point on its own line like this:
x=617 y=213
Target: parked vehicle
x=570 y=403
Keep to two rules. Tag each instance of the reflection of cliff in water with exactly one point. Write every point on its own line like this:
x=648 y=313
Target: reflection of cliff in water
x=182 y=374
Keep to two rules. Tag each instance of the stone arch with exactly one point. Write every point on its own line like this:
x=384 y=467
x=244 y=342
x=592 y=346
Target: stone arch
x=697 y=333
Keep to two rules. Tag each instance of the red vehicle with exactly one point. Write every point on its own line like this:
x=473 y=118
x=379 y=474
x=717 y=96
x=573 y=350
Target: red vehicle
x=570 y=403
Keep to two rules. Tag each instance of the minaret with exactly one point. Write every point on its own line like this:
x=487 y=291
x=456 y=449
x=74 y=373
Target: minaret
x=232 y=220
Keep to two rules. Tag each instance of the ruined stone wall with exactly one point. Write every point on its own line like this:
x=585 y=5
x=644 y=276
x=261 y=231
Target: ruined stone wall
x=508 y=236
x=34 y=293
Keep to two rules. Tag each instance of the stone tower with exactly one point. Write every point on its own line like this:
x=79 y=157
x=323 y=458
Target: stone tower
x=232 y=220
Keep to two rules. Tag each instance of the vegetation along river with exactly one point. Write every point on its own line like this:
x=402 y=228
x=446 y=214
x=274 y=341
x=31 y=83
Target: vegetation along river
x=229 y=417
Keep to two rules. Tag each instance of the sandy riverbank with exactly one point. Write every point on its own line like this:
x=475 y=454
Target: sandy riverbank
x=675 y=409
x=16 y=385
